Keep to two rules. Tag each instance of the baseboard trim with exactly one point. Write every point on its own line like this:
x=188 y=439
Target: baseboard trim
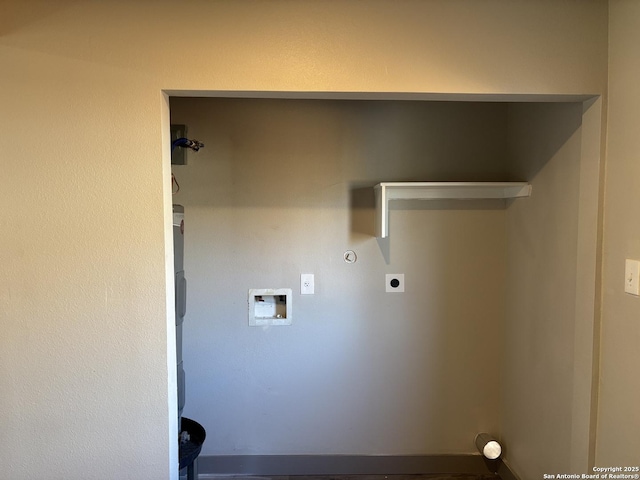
x=347 y=465
x=505 y=472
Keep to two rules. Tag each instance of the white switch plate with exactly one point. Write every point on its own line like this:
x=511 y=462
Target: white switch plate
x=394 y=282
x=307 y=284
x=632 y=277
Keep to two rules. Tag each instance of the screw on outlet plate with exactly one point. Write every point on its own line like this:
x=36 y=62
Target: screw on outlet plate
x=307 y=284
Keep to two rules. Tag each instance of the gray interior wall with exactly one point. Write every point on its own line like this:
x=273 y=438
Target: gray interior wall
x=283 y=188
x=542 y=236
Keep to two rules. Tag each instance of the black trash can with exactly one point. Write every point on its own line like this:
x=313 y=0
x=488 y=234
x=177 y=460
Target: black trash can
x=190 y=447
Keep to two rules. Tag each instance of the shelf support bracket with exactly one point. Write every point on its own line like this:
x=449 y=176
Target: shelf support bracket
x=387 y=191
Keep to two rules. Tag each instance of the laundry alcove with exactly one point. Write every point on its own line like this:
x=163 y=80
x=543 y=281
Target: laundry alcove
x=487 y=320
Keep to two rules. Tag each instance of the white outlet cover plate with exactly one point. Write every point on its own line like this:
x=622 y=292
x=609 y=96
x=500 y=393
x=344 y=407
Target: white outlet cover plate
x=307 y=284
x=394 y=282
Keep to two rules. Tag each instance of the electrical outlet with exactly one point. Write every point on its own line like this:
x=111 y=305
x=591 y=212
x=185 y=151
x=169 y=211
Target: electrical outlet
x=307 y=284
x=394 y=282
x=631 y=277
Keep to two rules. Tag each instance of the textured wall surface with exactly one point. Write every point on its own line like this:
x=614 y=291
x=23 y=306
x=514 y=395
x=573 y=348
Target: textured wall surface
x=619 y=416
x=542 y=235
x=283 y=187
x=86 y=362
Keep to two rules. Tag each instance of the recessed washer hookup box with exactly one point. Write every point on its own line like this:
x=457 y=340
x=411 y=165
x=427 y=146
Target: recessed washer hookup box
x=269 y=306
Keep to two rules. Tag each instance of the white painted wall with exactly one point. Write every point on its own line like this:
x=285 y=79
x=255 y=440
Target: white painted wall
x=85 y=369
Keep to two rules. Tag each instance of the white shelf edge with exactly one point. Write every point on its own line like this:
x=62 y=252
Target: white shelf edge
x=387 y=191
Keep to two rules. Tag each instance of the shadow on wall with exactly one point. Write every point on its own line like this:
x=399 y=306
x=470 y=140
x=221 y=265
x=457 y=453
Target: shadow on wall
x=362 y=208
x=535 y=150
x=522 y=164
x=264 y=153
x=23 y=14
x=362 y=213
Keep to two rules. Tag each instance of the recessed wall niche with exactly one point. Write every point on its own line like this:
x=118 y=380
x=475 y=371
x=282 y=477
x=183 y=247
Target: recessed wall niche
x=285 y=186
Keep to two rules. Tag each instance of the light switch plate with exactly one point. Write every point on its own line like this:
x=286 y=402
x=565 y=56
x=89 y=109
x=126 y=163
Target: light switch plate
x=632 y=277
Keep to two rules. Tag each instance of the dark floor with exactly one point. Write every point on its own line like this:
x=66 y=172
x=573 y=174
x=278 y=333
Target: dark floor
x=453 y=476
